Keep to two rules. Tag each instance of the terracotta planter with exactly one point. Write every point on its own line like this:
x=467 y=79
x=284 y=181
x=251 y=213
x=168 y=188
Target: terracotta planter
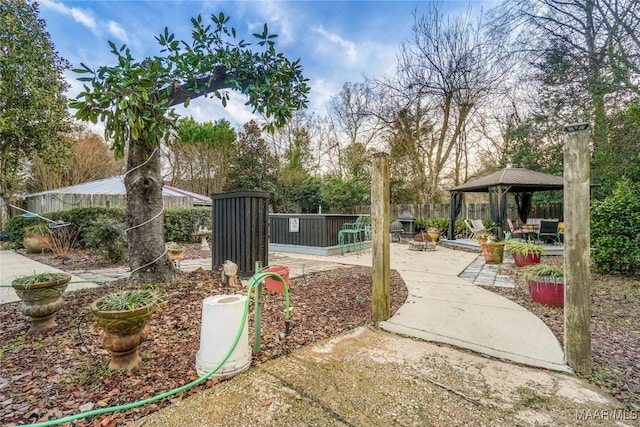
x=547 y=293
x=37 y=243
x=434 y=234
x=523 y=260
x=175 y=255
x=273 y=284
x=482 y=241
x=122 y=332
x=41 y=301
x=493 y=252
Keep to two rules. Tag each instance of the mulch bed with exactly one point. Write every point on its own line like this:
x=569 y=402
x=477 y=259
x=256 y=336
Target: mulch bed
x=615 y=329
x=51 y=374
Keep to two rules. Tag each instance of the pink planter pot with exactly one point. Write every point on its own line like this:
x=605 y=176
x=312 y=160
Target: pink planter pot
x=522 y=260
x=550 y=294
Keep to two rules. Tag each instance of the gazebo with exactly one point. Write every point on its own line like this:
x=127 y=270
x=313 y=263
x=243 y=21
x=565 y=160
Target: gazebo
x=520 y=181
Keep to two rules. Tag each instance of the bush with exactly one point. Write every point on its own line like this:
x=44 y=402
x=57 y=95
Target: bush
x=106 y=235
x=615 y=230
x=181 y=224
x=441 y=224
x=85 y=218
x=16 y=226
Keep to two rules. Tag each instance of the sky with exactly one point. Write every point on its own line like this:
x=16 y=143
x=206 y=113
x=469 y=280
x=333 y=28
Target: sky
x=336 y=41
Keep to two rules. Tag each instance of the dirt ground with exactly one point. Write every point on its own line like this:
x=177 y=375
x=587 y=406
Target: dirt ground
x=50 y=375
x=615 y=330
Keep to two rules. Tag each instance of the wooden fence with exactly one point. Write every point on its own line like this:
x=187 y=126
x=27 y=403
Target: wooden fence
x=473 y=210
x=57 y=202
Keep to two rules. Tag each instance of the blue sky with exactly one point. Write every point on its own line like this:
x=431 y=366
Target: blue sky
x=337 y=41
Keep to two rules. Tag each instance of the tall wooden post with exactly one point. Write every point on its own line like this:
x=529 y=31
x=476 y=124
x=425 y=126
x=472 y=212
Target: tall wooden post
x=577 y=277
x=380 y=225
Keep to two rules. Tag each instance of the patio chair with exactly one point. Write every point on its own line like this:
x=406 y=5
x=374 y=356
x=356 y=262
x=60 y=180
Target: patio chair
x=548 y=230
x=516 y=232
x=352 y=234
x=474 y=226
x=396 y=230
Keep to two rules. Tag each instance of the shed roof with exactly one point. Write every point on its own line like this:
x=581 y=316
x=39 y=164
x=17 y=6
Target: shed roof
x=517 y=179
x=115 y=185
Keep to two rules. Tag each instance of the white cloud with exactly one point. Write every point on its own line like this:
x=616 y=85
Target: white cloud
x=87 y=19
x=117 y=31
x=345 y=46
x=273 y=14
x=83 y=17
x=209 y=110
x=322 y=91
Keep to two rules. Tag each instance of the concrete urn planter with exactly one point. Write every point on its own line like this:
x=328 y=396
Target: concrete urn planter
x=42 y=297
x=122 y=331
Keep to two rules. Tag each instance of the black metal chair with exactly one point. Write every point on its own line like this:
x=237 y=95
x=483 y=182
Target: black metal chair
x=549 y=231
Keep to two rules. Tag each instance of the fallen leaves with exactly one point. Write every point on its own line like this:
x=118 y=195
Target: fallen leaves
x=615 y=330
x=48 y=375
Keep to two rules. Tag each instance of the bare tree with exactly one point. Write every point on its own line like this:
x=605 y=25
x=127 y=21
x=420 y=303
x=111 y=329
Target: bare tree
x=89 y=160
x=443 y=72
x=584 y=56
x=353 y=128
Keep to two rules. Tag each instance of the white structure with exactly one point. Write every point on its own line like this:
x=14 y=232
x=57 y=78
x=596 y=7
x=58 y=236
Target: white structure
x=106 y=192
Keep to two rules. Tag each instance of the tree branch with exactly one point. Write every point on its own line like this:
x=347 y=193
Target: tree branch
x=197 y=88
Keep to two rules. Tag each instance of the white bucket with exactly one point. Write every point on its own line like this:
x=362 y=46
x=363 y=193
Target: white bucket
x=221 y=318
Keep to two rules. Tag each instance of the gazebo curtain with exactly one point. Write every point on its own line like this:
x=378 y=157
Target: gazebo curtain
x=456 y=208
x=498 y=205
x=523 y=204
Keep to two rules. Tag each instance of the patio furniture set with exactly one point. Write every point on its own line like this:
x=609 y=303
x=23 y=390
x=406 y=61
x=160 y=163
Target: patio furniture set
x=536 y=229
x=352 y=236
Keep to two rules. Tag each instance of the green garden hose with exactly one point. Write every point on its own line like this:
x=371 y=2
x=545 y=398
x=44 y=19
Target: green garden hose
x=256 y=279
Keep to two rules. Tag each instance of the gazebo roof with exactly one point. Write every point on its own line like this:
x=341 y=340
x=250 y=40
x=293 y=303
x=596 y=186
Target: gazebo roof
x=518 y=180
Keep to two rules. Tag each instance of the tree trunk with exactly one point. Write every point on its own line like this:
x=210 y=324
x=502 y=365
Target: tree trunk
x=145 y=217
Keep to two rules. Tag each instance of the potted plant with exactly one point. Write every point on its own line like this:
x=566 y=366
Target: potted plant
x=122 y=317
x=482 y=237
x=434 y=233
x=175 y=251
x=546 y=284
x=37 y=238
x=42 y=297
x=493 y=251
x=525 y=253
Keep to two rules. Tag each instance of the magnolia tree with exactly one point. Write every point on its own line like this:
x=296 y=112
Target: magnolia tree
x=33 y=109
x=135 y=98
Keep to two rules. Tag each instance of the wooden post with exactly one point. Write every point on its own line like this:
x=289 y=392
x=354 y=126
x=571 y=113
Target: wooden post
x=380 y=225
x=577 y=277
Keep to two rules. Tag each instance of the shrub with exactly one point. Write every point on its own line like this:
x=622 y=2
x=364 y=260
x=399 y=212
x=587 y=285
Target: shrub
x=615 y=230
x=84 y=218
x=181 y=224
x=441 y=224
x=16 y=226
x=107 y=236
